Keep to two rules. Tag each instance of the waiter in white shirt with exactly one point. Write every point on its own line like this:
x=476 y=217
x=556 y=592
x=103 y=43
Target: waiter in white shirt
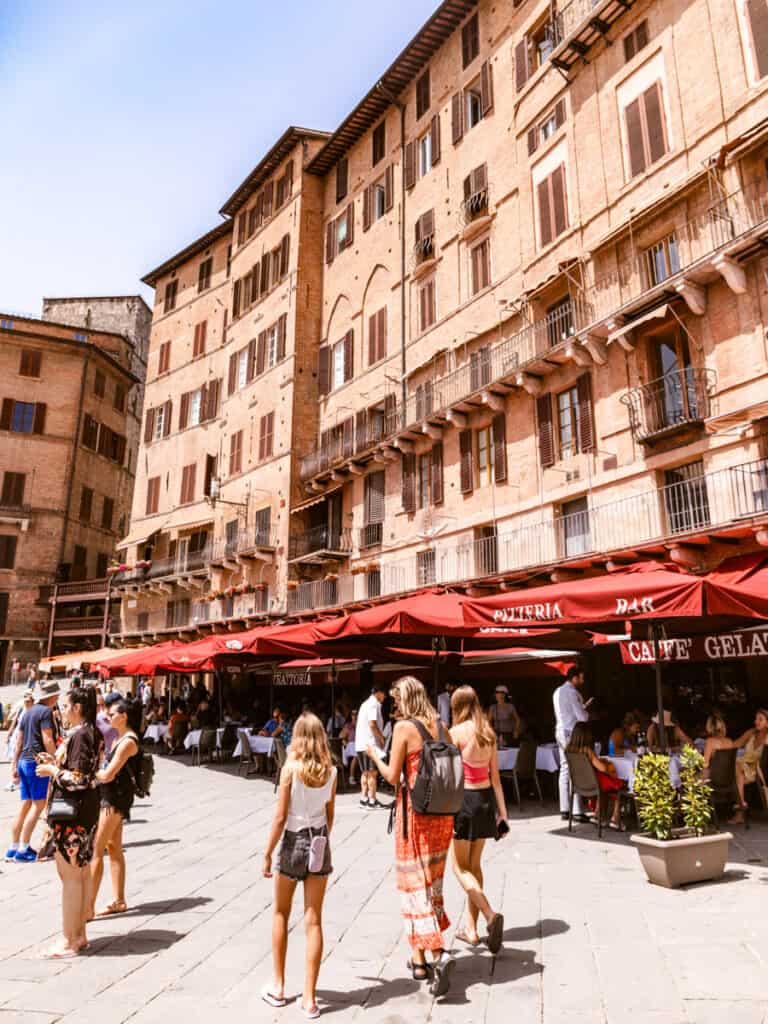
x=569 y=709
x=444 y=704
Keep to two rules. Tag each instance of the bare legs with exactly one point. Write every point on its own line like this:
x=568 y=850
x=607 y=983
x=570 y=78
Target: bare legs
x=467 y=857
x=26 y=818
x=75 y=897
x=368 y=785
x=314 y=892
x=738 y=818
x=109 y=837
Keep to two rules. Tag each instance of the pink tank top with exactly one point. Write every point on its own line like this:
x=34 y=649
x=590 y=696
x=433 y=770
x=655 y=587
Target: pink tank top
x=476 y=773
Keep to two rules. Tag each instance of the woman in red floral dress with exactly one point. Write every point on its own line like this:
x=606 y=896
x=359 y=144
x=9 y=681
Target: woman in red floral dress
x=421 y=847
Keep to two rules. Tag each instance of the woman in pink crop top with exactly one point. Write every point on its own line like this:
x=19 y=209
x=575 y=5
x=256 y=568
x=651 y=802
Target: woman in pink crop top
x=482 y=810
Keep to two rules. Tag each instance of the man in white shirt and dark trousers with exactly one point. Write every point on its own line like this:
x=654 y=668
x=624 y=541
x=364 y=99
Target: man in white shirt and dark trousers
x=444 y=704
x=370 y=732
x=569 y=709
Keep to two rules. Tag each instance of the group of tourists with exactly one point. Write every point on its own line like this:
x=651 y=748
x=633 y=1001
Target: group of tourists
x=426 y=763
x=75 y=756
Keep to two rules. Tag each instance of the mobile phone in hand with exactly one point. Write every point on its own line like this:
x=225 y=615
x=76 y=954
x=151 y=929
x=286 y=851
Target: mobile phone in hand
x=502 y=829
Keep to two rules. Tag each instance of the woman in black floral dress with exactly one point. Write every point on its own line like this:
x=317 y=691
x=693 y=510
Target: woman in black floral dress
x=71 y=843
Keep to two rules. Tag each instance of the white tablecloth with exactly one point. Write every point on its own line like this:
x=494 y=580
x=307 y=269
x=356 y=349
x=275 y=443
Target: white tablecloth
x=626 y=765
x=259 y=745
x=155 y=732
x=348 y=752
x=547 y=758
x=193 y=738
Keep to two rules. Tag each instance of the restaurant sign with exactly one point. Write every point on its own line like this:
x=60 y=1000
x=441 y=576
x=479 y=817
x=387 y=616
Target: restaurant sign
x=292 y=679
x=713 y=647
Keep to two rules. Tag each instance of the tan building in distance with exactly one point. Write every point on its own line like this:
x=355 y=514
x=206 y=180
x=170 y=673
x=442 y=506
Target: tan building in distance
x=541 y=285
x=69 y=417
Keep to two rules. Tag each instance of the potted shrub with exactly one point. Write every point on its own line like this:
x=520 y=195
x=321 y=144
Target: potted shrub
x=677 y=856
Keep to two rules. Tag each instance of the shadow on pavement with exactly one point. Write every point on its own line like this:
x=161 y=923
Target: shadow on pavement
x=168 y=906
x=147 y=941
x=149 y=842
x=376 y=993
x=543 y=929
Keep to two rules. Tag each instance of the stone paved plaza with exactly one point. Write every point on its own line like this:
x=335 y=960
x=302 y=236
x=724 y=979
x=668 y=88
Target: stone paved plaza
x=587 y=939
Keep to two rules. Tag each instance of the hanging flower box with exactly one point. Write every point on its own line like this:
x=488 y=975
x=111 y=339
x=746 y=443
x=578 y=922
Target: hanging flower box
x=292 y=584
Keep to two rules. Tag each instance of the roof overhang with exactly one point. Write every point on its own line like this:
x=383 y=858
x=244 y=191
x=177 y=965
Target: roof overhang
x=655 y=314
x=199 y=245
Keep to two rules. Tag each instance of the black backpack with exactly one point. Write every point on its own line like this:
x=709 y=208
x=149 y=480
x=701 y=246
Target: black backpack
x=439 y=785
x=142 y=773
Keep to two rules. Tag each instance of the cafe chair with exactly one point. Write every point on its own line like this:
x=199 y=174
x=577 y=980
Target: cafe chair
x=247 y=759
x=228 y=742
x=178 y=732
x=205 y=746
x=279 y=754
x=722 y=781
x=583 y=784
x=525 y=769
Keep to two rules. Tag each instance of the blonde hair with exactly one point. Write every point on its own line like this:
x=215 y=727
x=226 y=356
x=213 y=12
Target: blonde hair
x=309 y=750
x=716 y=726
x=465 y=706
x=413 y=699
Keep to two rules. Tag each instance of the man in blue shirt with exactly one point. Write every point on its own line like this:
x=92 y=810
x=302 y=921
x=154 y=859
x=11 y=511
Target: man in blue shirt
x=35 y=736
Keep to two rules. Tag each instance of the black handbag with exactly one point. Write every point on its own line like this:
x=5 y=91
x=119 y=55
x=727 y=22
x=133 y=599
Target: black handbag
x=64 y=808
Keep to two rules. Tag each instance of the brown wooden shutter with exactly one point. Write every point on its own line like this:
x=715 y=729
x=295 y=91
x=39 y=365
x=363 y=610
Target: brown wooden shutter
x=324 y=369
x=261 y=353
x=330 y=241
x=546 y=431
x=486 y=88
x=560 y=113
x=167 y=420
x=250 y=361
x=214 y=391
x=586 y=421
x=410 y=164
x=409 y=482
x=438 y=490
x=285 y=251
x=521 y=64
x=434 y=131
x=268 y=195
x=466 y=469
x=264 y=283
x=255 y=276
x=38 y=426
x=149 y=424
x=545 y=215
x=559 y=200
x=533 y=141
x=654 y=120
x=235 y=303
x=232 y=378
x=500 y=448
x=245 y=295
x=349 y=355
x=289 y=179
x=350 y=225
x=282 y=331
x=635 y=138
x=6 y=414
x=480 y=178
x=390 y=413
x=348 y=435
x=259 y=209
x=457 y=117
x=758 y=19
x=184 y=410
x=361 y=431
x=342 y=178
x=373 y=323
x=367 y=198
x=389 y=188
x=381 y=334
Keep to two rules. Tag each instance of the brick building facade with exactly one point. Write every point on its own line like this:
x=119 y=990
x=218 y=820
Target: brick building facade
x=534 y=281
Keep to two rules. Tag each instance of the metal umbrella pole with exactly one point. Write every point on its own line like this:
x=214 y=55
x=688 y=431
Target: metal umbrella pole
x=219 y=678
x=438 y=645
x=655 y=635
x=333 y=698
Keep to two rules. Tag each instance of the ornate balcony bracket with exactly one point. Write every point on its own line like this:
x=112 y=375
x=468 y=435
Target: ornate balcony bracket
x=596 y=348
x=695 y=296
x=355 y=469
x=761 y=536
x=577 y=354
x=732 y=273
x=404 y=445
x=626 y=338
x=457 y=419
x=432 y=430
x=687 y=555
x=384 y=455
x=316 y=487
x=337 y=476
x=529 y=383
x=492 y=400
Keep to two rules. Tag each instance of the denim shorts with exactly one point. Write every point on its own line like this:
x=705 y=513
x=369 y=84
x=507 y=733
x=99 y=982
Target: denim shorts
x=31 y=786
x=293 y=858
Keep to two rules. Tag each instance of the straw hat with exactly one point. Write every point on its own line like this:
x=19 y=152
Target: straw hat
x=47 y=688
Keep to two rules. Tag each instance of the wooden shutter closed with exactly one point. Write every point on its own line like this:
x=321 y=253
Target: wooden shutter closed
x=466 y=473
x=348 y=437
x=560 y=113
x=434 y=131
x=500 y=448
x=349 y=355
x=559 y=200
x=282 y=332
x=232 y=377
x=285 y=251
x=654 y=120
x=324 y=369
x=6 y=414
x=545 y=215
x=149 y=424
x=409 y=482
x=250 y=361
x=350 y=225
x=184 y=410
x=586 y=428
x=457 y=117
x=381 y=334
x=361 y=429
x=261 y=353
x=486 y=88
x=245 y=294
x=367 y=199
x=264 y=283
x=390 y=414
x=330 y=241
x=342 y=179
x=374 y=497
x=373 y=345
x=410 y=164
x=635 y=138
x=758 y=20
x=546 y=431
x=267 y=197
x=214 y=390
x=167 y=418
x=38 y=426
x=235 y=303
x=521 y=64
x=436 y=457
x=389 y=188
x=533 y=141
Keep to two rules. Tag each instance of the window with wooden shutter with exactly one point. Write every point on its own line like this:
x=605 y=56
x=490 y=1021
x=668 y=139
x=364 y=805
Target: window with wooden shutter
x=342 y=179
x=553 y=206
x=378 y=143
x=434 y=135
x=198 y=344
x=7 y=551
x=266 y=200
x=266 y=431
x=373 y=498
x=389 y=188
x=13 y=489
x=261 y=353
x=255 y=279
x=757 y=12
x=242 y=227
x=149 y=426
x=6 y=414
x=232 y=376
x=236 y=453
x=438 y=489
x=408 y=464
x=107 y=513
x=188 y=475
x=86 y=504
x=30 y=362
x=427 y=305
x=367 y=206
x=38 y=426
x=153 y=495
x=285 y=251
x=522 y=68
x=282 y=331
x=212 y=399
x=423 y=100
x=324 y=369
x=236 y=300
x=499 y=427
x=164 y=357
x=349 y=355
x=546 y=431
x=646 y=133
x=99 y=384
x=169 y=303
x=457 y=117
x=481 y=266
x=204 y=273
x=330 y=241
x=486 y=87
x=410 y=164
x=470 y=41
x=637 y=39
x=167 y=421
x=480 y=367
x=586 y=413
x=184 y=410
x=466 y=468
x=265 y=267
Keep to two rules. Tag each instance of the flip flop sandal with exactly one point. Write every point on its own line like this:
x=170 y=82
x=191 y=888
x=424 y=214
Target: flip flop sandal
x=495 y=933
x=441 y=976
x=310 y=1012
x=65 y=954
x=420 y=972
x=115 y=907
x=462 y=936
x=277 y=1001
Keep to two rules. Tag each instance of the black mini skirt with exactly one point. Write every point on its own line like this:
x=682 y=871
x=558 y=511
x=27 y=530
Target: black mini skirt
x=293 y=856
x=477 y=817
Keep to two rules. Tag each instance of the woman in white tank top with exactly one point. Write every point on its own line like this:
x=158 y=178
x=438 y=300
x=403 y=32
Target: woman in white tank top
x=304 y=818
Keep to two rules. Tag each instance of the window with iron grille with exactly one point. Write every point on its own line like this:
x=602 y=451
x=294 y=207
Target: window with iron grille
x=426 y=571
x=559 y=321
x=373 y=582
x=263 y=525
x=231 y=530
x=685 y=497
x=662 y=260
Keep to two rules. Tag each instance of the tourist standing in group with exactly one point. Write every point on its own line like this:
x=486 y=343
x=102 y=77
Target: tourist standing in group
x=504 y=718
x=36 y=735
x=304 y=819
x=483 y=813
x=444 y=704
x=104 y=723
x=569 y=709
x=21 y=705
x=116 y=790
x=422 y=841
x=370 y=733
x=70 y=841
x=748 y=764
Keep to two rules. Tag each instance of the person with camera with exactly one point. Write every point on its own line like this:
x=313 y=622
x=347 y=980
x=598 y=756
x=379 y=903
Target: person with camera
x=36 y=734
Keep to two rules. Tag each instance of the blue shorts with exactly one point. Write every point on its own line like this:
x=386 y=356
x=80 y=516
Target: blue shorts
x=31 y=786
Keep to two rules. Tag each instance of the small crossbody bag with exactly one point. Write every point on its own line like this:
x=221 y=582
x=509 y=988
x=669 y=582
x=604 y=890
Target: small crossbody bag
x=317 y=841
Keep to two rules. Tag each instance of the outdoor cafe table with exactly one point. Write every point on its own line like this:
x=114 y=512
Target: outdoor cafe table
x=547 y=758
x=155 y=732
x=627 y=765
x=348 y=752
x=193 y=738
x=259 y=745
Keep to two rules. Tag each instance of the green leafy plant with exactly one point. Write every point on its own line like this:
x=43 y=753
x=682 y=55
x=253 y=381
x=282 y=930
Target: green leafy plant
x=697 y=808
x=655 y=796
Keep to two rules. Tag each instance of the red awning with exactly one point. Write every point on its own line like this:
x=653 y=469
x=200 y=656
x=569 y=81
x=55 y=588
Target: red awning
x=142 y=661
x=739 y=587
x=644 y=591
x=426 y=614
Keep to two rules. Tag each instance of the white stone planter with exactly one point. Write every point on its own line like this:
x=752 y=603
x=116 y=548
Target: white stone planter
x=677 y=862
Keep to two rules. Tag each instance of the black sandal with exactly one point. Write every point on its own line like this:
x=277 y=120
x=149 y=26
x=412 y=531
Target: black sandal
x=420 y=972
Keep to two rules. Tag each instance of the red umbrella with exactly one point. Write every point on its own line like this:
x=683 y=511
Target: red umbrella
x=143 y=661
x=739 y=587
x=428 y=613
x=648 y=591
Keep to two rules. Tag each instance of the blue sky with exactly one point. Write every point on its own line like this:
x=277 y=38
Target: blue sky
x=125 y=126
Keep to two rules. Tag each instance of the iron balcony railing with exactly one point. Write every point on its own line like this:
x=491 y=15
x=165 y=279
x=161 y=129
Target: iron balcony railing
x=363 y=432
x=320 y=539
x=569 y=19
x=700 y=503
x=180 y=564
x=678 y=399
x=371 y=535
x=475 y=205
x=241 y=543
x=74 y=625
x=89 y=590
